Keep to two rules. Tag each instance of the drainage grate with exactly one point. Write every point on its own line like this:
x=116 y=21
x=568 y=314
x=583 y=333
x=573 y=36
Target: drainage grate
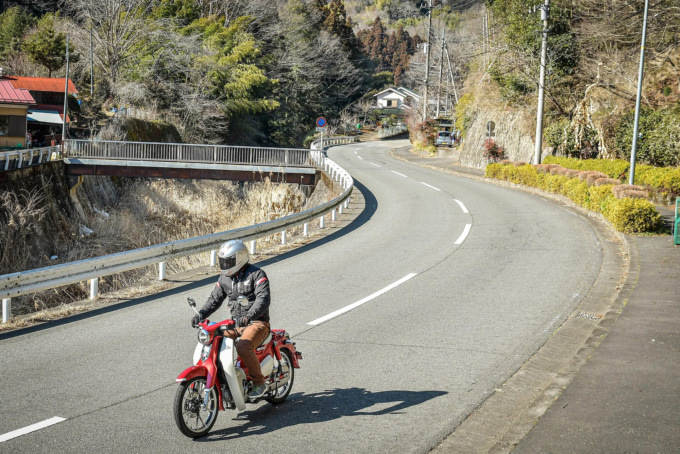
x=589 y=316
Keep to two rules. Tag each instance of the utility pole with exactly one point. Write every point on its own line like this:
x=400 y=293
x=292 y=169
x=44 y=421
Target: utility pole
x=631 y=174
x=63 y=129
x=455 y=93
x=441 y=69
x=91 y=68
x=545 y=10
x=427 y=59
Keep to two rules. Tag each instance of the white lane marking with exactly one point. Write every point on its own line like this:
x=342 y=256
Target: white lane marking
x=400 y=174
x=463 y=235
x=360 y=158
x=355 y=151
x=374 y=164
x=31 y=428
x=462 y=207
x=436 y=189
x=332 y=315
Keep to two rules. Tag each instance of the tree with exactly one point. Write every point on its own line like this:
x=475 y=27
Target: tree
x=46 y=47
x=13 y=24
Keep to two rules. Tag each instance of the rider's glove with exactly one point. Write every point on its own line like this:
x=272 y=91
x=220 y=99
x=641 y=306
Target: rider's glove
x=197 y=319
x=244 y=321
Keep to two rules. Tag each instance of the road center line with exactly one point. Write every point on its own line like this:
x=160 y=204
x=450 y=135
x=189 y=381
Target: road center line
x=332 y=315
x=436 y=189
x=465 y=210
x=374 y=164
x=463 y=235
x=400 y=174
x=31 y=428
x=360 y=158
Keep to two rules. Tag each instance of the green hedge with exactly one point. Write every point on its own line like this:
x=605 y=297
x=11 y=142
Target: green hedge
x=666 y=179
x=626 y=215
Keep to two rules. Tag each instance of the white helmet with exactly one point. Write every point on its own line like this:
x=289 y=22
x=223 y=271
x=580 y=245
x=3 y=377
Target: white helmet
x=233 y=255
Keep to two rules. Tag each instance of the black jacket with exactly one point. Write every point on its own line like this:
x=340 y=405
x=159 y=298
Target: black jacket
x=251 y=282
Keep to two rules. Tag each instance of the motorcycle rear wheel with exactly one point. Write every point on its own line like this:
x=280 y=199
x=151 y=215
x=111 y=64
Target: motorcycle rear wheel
x=286 y=366
x=193 y=419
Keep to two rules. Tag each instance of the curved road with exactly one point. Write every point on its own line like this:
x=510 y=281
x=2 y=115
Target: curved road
x=438 y=292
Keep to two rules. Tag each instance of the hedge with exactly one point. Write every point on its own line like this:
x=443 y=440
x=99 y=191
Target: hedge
x=628 y=215
x=665 y=179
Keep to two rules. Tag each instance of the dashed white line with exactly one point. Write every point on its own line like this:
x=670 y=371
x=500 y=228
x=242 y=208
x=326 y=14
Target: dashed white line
x=463 y=235
x=462 y=207
x=432 y=187
x=31 y=428
x=374 y=164
x=400 y=174
x=332 y=315
x=360 y=158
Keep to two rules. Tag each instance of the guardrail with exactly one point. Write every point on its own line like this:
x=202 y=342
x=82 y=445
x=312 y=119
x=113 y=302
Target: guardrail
x=384 y=133
x=182 y=152
x=17 y=159
x=676 y=228
x=31 y=281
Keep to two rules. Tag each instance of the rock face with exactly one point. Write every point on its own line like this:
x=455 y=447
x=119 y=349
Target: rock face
x=518 y=145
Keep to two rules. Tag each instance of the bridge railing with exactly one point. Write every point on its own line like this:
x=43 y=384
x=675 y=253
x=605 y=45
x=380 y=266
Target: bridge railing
x=181 y=152
x=31 y=281
x=17 y=159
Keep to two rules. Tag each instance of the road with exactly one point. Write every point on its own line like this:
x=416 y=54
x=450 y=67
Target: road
x=457 y=284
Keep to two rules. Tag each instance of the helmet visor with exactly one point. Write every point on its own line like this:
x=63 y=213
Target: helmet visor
x=227 y=262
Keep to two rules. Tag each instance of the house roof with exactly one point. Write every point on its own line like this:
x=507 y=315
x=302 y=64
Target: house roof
x=51 y=84
x=405 y=92
x=11 y=95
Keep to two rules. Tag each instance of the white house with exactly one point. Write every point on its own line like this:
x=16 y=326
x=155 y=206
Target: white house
x=396 y=98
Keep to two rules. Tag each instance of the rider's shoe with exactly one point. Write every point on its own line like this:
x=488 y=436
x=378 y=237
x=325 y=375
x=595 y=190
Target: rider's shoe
x=257 y=392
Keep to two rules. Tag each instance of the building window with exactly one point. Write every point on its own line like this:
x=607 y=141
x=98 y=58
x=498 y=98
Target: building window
x=12 y=125
x=390 y=103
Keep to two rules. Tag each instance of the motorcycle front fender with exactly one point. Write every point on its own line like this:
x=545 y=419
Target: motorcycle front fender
x=191 y=372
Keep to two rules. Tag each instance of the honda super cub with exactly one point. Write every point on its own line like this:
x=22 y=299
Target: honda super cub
x=218 y=380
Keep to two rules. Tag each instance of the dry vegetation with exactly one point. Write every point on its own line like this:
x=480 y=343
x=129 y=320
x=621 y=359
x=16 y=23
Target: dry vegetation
x=135 y=213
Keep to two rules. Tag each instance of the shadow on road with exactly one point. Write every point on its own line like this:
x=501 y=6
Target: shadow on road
x=320 y=407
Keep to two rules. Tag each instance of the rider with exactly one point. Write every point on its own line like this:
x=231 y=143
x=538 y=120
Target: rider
x=252 y=321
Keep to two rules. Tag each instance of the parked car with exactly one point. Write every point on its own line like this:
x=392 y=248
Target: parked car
x=444 y=138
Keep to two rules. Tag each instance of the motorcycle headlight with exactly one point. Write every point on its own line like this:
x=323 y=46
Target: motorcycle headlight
x=203 y=337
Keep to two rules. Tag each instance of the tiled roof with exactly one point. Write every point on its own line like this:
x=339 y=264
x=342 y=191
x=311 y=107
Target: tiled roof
x=52 y=84
x=11 y=95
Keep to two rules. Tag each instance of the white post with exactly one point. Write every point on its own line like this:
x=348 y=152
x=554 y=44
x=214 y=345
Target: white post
x=94 y=287
x=6 y=309
x=283 y=237
x=340 y=208
x=161 y=271
x=305 y=229
x=321 y=222
x=213 y=258
x=253 y=245
x=333 y=215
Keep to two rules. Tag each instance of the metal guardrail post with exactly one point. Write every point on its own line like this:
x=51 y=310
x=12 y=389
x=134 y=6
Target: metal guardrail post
x=6 y=309
x=333 y=215
x=161 y=271
x=305 y=229
x=322 y=222
x=283 y=237
x=213 y=257
x=94 y=287
x=253 y=246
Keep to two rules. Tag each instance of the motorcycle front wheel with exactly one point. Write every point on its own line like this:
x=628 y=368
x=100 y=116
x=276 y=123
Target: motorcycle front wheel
x=287 y=368
x=193 y=415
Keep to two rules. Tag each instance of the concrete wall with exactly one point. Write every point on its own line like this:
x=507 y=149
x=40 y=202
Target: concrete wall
x=519 y=146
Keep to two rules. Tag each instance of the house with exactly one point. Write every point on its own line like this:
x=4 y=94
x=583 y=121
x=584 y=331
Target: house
x=396 y=98
x=46 y=117
x=14 y=105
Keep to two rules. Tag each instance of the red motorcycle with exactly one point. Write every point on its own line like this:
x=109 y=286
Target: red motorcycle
x=218 y=380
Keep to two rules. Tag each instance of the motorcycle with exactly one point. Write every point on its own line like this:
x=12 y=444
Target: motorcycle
x=218 y=380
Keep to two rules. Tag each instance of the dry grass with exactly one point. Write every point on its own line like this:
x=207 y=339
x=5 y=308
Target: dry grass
x=630 y=191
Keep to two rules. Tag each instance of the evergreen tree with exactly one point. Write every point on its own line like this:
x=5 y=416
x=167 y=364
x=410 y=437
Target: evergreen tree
x=46 y=47
x=13 y=24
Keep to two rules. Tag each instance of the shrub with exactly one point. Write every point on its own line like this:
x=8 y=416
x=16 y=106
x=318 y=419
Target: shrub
x=626 y=190
x=609 y=181
x=632 y=215
x=659 y=142
x=613 y=168
x=492 y=151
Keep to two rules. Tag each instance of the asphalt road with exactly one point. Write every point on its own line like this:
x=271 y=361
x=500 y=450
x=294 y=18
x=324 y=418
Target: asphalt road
x=460 y=282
